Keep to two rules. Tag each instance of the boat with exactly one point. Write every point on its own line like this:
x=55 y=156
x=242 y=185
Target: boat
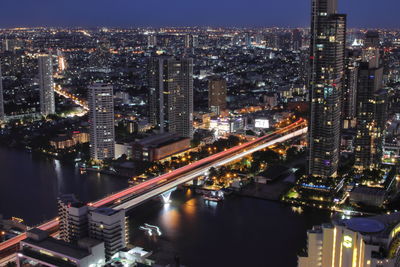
x=209 y=197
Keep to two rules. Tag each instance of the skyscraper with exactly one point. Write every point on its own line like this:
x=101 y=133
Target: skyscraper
x=1 y=97
x=328 y=30
x=216 y=94
x=171 y=95
x=371 y=108
x=297 y=40
x=151 y=41
x=349 y=91
x=101 y=120
x=188 y=42
x=46 y=85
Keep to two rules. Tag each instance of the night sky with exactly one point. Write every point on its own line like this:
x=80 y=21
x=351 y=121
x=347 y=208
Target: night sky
x=242 y=13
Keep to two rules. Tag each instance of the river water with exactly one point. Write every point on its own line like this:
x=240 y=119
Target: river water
x=236 y=232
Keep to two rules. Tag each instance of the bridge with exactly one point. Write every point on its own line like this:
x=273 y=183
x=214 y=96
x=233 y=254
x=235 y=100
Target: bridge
x=136 y=195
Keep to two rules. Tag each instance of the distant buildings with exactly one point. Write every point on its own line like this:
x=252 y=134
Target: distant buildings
x=297 y=40
x=38 y=249
x=101 y=120
x=328 y=31
x=151 y=41
x=217 y=94
x=371 y=109
x=171 y=95
x=46 y=85
x=370 y=241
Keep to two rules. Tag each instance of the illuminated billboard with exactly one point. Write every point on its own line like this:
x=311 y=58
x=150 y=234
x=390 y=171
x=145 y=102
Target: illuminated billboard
x=262 y=123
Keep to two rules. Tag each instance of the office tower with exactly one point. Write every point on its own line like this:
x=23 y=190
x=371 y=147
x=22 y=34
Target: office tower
x=247 y=40
x=73 y=218
x=217 y=94
x=46 y=85
x=372 y=39
x=151 y=41
x=367 y=242
x=195 y=41
x=171 y=95
x=62 y=63
x=101 y=121
x=110 y=226
x=328 y=30
x=297 y=40
x=187 y=41
x=39 y=249
x=350 y=91
x=2 y=115
x=371 y=111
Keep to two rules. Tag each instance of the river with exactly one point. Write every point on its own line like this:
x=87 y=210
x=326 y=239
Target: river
x=237 y=232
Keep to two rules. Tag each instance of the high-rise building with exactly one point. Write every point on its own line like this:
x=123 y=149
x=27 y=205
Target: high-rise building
x=328 y=30
x=217 y=94
x=2 y=115
x=371 y=110
x=188 y=43
x=195 y=41
x=369 y=242
x=350 y=91
x=297 y=40
x=171 y=95
x=73 y=218
x=46 y=85
x=109 y=226
x=101 y=121
x=151 y=40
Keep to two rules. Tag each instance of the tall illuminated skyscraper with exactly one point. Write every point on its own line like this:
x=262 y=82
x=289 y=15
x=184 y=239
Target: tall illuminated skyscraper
x=46 y=85
x=371 y=107
x=171 y=95
x=1 y=97
x=101 y=120
x=327 y=48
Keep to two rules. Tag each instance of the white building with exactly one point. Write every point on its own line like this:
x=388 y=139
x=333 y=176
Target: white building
x=46 y=85
x=109 y=226
x=38 y=249
x=101 y=121
x=357 y=242
x=73 y=218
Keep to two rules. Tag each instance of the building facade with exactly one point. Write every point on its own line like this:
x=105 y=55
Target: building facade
x=46 y=85
x=109 y=226
x=73 y=218
x=101 y=121
x=171 y=95
x=371 y=110
x=328 y=31
x=217 y=94
x=370 y=242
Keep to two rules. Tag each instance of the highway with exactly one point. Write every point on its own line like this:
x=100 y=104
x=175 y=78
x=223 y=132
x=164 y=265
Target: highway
x=137 y=194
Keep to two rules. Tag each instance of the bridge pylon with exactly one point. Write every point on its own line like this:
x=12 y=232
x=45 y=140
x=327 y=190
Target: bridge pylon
x=166 y=196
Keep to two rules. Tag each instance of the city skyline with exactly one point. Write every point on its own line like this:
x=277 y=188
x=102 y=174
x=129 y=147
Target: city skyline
x=154 y=13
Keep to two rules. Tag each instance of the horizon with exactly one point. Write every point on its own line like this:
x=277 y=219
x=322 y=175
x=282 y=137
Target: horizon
x=157 y=13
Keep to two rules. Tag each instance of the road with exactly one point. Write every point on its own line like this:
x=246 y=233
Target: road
x=165 y=182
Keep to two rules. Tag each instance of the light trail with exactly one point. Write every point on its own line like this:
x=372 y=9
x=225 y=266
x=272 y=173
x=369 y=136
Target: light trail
x=178 y=176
